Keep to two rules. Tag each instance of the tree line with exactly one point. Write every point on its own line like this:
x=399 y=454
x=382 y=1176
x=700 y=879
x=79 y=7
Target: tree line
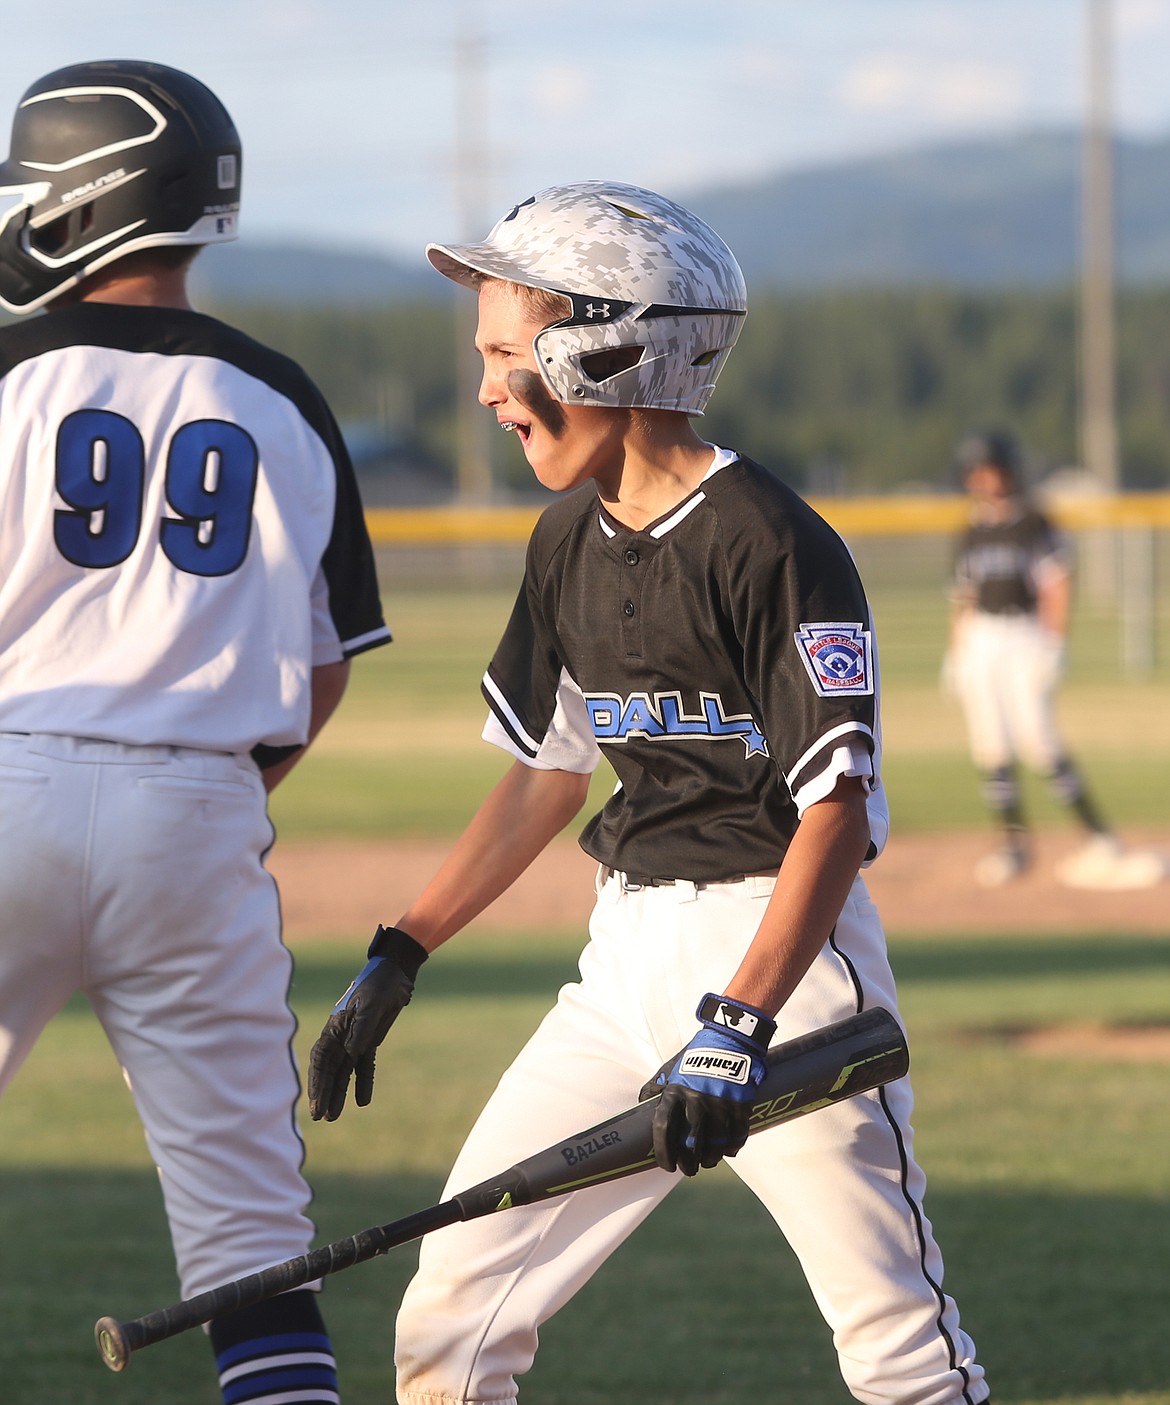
x=848 y=392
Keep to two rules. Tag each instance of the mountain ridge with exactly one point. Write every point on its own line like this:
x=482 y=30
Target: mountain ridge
x=978 y=214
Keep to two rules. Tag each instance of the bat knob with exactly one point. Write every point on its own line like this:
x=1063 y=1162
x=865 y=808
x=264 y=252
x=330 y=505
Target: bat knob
x=111 y=1343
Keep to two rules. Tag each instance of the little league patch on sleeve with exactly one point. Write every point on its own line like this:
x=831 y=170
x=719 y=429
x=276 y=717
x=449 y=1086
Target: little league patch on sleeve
x=838 y=657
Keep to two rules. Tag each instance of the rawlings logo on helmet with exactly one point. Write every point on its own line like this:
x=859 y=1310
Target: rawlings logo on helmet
x=91 y=186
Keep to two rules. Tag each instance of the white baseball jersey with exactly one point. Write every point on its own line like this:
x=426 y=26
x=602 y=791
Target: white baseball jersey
x=181 y=541
x=177 y=551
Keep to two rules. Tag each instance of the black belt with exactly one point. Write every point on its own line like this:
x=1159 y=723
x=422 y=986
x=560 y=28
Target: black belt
x=632 y=881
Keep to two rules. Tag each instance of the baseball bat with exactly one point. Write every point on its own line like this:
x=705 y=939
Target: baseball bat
x=825 y=1066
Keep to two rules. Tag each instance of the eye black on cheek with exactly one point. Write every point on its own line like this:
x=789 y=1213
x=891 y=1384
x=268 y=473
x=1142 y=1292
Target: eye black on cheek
x=529 y=389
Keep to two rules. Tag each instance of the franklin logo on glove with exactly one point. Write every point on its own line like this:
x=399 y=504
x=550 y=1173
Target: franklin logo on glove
x=706 y=1091
x=715 y=1064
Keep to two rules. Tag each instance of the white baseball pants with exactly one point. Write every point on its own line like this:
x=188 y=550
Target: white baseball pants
x=842 y=1183
x=1007 y=672
x=135 y=874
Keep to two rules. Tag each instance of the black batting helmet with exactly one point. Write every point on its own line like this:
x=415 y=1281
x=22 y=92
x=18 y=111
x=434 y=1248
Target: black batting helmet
x=107 y=158
x=994 y=447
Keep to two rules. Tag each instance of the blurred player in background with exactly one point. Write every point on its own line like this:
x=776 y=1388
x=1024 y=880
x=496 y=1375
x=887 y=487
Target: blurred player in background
x=184 y=574
x=1011 y=597
x=689 y=615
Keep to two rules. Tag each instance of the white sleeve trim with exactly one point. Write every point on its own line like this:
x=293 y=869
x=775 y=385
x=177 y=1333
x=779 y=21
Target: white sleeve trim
x=501 y=702
x=1053 y=567
x=360 y=642
x=844 y=730
x=849 y=759
x=569 y=743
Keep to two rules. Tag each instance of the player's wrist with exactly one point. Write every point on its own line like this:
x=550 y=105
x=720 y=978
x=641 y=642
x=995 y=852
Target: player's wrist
x=744 y=1024
x=400 y=947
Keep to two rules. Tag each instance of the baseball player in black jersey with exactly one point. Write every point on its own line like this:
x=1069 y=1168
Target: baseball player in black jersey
x=184 y=575
x=687 y=615
x=1009 y=621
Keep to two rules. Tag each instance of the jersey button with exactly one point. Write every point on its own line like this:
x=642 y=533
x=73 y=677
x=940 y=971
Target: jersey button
x=632 y=557
x=628 y=608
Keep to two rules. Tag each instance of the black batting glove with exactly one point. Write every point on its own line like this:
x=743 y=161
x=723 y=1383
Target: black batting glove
x=708 y=1089
x=360 y=1021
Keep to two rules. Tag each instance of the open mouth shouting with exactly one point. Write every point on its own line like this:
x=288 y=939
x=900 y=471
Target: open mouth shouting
x=528 y=388
x=522 y=429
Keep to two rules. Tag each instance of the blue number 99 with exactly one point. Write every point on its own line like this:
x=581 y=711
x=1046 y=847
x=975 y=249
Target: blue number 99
x=101 y=468
x=211 y=481
x=211 y=473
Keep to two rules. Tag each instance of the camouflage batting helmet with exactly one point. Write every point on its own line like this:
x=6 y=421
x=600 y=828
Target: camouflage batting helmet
x=644 y=276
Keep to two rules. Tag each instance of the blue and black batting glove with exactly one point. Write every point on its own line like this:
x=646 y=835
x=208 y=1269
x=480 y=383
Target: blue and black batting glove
x=709 y=1088
x=360 y=1021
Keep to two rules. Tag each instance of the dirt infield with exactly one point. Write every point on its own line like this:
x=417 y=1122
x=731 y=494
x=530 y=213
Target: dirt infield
x=923 y=885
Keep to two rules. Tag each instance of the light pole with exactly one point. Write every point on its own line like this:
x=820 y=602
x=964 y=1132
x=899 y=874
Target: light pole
x=1098 y=429
x=1128 y=567
x=473 y=468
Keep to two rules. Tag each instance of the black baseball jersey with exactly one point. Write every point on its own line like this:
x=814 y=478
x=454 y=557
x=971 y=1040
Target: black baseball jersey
x=998 y=564
x=722 y=659
x=183 y=537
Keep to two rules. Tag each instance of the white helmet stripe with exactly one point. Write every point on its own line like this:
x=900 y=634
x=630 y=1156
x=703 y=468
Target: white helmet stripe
x=149 y=108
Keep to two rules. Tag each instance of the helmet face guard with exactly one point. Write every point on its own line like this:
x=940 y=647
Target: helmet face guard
x=657 y=297
x=106 y=159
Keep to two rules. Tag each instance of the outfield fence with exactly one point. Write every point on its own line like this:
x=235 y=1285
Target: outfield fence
x=901 y=543
x=853 y=517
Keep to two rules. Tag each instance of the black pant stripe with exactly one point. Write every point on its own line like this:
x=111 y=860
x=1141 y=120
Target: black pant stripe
x=915 y=1208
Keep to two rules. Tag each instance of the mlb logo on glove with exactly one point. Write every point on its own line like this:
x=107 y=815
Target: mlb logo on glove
x=737 y=1017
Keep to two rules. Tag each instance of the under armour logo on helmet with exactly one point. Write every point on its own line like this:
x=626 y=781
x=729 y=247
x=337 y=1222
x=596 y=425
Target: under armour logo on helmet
x=596 y=309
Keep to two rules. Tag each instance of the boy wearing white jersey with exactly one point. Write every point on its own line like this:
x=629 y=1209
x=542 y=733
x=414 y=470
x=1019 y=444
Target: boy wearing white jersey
x=184 y=576
x=688 y=615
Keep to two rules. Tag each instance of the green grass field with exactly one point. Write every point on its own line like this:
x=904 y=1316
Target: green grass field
x=1047 y=1173
x=1048 y=1181
x=404 y=757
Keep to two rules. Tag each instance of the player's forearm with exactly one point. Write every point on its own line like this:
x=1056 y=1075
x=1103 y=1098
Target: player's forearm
x=522 y=814
x=815 y=877
x=1053 y=604
x=962 y=607
x=327 y=687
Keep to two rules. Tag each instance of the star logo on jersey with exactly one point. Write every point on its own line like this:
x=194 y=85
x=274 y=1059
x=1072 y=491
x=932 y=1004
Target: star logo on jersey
x=755 y=741
x=837 y=657
x=660 y=717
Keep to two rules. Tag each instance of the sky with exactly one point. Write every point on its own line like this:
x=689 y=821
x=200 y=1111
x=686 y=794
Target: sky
x=382 y=124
